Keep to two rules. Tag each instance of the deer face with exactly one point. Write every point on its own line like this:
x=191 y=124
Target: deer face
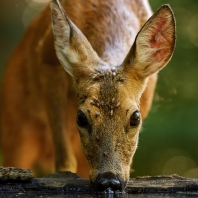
x=109 y=121
x=108 y=118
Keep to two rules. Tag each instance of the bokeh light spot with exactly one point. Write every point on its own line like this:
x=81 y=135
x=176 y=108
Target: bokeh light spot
x=178 y=165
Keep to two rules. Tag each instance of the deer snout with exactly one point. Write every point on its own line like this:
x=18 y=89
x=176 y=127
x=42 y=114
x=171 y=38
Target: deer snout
x=108 y=182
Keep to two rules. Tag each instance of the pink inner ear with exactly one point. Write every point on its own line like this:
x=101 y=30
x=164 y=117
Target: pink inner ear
x=55 y=13
x=160 y=39
x=57 y=16
x=160 y=54
x=158 y=35
x=59 y=22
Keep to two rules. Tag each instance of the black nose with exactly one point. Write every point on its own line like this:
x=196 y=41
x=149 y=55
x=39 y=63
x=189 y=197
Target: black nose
x=108 y=182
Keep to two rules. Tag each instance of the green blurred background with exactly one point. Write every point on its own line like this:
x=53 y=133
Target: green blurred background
x=169 y=137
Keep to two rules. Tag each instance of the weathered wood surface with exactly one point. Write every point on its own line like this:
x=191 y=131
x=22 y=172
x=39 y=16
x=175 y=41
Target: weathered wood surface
x=13 y=180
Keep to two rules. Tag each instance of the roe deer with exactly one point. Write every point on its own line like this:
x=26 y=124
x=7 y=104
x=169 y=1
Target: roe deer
x=111 y=57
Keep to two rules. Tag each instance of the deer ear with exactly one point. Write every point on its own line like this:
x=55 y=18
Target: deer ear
x=154 y=44
x=72 y=48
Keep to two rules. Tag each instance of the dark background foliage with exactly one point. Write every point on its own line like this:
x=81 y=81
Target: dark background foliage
x=169 y=137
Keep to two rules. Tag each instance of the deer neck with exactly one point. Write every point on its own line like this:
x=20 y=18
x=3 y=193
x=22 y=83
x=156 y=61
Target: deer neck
x=110 y=26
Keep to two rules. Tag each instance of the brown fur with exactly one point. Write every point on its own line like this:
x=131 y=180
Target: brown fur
x=40 y=101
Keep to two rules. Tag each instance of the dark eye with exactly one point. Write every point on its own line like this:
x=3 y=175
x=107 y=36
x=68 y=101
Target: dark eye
x=135 y=119
x=81 y=119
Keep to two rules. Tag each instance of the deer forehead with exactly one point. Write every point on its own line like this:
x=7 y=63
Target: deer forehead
x=107 y=92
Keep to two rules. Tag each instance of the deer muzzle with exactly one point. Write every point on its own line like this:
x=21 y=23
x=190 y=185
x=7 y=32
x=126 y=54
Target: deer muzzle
x=109 y=183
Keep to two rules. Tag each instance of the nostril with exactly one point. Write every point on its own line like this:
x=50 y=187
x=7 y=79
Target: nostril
x=114 y=184
x=107 y=181
x=103 y=184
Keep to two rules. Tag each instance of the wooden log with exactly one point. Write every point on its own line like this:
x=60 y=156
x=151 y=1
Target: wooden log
x=22 y=181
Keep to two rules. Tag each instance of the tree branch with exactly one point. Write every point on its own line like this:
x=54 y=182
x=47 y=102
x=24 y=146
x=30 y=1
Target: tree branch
x=14 y=180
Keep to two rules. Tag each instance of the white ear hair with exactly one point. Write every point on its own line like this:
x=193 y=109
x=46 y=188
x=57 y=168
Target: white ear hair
x=154 y=44
x=72 y=48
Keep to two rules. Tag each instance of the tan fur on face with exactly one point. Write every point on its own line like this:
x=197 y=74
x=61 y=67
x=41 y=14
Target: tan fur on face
x=111 y=142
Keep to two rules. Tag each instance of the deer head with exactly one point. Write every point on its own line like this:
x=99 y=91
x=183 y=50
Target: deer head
x=108 y=118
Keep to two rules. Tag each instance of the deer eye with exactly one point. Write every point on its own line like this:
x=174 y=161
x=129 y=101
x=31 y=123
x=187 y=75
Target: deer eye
x=81 y=119
x=135 y=119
